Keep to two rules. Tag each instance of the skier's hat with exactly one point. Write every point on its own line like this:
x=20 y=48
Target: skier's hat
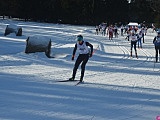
x=79 y=38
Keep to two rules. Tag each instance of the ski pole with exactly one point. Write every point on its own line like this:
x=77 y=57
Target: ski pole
x=95 y=49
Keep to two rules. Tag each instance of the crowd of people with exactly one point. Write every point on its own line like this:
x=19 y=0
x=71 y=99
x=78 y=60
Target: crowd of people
x=134 y=34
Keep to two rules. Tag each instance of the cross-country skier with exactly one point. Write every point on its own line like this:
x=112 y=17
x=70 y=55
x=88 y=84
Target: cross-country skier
x=97 y=29
x=156 y=42
x=133 y=39
x=83 y=56
x=140 y=35
x=143 y=33
x=110 y=32
x=116 y=31
x=122 y=29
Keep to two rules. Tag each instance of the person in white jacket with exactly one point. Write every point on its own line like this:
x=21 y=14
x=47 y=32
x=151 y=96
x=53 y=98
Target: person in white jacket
x=83 y=57
x=133 y=38
x=143 y=33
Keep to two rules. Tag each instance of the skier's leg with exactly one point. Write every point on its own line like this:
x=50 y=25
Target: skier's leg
x=143 y=37
x=159 y=53
x=77 y=63
x=131 y=48
x=138 y=42
x=83 y=66
x=156 y=54
x=135 y=48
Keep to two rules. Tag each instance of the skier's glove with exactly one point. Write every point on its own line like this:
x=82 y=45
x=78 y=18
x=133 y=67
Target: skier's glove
x=90 y=55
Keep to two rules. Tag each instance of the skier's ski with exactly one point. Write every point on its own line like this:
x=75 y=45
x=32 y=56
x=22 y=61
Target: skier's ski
x=80 y=82
x=68 y=80
x=134 y=56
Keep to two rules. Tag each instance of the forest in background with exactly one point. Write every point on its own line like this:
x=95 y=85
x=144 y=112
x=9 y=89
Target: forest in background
x=86 y=12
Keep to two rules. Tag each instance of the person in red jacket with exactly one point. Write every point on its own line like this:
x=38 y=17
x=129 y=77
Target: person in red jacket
x=110 y=32
x=83 y=56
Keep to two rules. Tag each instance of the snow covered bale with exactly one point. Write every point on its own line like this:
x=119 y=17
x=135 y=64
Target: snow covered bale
x=37 y=44
x=13 y=29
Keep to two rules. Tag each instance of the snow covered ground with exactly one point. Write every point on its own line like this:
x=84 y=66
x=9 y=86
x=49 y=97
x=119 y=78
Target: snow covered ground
x=116 y=86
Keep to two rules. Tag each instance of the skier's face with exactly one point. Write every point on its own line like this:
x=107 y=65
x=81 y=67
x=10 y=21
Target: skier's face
x=80 y=41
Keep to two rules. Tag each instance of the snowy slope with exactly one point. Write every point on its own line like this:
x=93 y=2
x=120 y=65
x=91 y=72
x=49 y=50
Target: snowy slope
x=116 y=86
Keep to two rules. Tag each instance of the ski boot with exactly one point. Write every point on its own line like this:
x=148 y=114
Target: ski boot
x=156 y=60
x=81 y=80
x=131 y=54
x=136 y=56
x=71 y=79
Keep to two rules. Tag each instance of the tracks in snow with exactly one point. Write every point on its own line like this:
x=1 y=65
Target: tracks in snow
x=123 y=52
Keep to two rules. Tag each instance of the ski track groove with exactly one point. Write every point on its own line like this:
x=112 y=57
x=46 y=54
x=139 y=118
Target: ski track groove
x=126 y=53
x=148 y=55
x=124 y=50
x=124 y=46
